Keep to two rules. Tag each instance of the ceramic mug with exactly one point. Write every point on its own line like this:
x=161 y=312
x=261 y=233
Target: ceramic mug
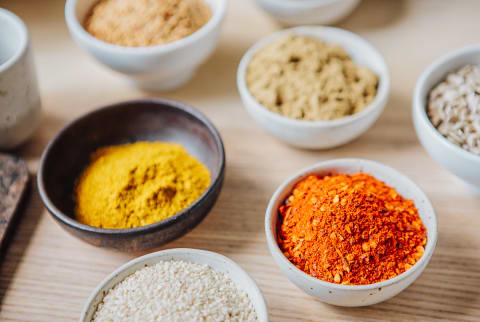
x=19 y=96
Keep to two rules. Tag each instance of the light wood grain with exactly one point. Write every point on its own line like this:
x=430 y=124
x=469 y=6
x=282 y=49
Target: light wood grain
x=47 y=274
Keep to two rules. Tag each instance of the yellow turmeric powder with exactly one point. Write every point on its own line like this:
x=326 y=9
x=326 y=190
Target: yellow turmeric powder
x=138 y=184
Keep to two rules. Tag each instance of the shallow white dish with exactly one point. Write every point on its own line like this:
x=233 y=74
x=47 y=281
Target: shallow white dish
x=216 y=261
x=308 y=12
x=460 y=162
x=161 y=67
x=353 y=295
x=320 y=134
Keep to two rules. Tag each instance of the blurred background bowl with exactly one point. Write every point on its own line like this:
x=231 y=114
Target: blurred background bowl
x=216 y=261
x=308 y=12
x=460 y=162
x=320 y=134
x=162 y=67
x=69 y=152
x=352 y=295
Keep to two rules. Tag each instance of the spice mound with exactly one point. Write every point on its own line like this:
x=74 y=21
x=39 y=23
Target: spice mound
x=138 y=184
x=307 y=79
x=176 y=291
x=454 y=108
x=350 y=229
x=136 y=23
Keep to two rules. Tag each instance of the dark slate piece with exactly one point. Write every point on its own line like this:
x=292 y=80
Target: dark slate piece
x=13 y=184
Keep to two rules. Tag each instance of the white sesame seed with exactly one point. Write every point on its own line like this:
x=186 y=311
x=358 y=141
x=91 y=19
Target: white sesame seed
x=176 y=291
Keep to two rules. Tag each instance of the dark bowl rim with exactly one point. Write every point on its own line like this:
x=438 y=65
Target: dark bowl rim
x=69 y=221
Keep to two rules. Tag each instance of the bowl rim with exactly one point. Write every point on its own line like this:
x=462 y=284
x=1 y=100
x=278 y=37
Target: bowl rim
x=176 y=251
x=432 y=236
x=315 y=31
x=420 y=107
x=71 y=222
x=304 y=4
x=18 y=24
x=77 y=29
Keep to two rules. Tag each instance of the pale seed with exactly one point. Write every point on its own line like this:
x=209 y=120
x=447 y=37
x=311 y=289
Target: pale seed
x=337 y=278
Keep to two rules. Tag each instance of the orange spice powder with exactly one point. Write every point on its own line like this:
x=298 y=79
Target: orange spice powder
x=350 y=229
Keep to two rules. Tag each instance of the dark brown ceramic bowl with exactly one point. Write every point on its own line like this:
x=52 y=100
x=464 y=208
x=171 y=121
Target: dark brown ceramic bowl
x=140 y=120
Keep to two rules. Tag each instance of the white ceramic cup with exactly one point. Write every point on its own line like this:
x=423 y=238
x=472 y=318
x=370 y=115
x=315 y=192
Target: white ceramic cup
x=19 y=96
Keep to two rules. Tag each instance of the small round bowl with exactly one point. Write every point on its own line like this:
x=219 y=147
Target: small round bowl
x=319 y=134
x=353 y=295
x=69 y=152
x=162 y=67
x=216 y=261
x=460 y=162
x=308 y=12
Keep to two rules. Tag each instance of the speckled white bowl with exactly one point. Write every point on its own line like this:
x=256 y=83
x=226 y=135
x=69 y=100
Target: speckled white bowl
x=353 y=295
x=161 y=67
x=460 y=162
x=308 y=12
x=319 y=134
x=216 y=261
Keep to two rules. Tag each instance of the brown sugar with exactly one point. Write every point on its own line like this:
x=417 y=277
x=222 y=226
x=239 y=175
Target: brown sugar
x=137 y=23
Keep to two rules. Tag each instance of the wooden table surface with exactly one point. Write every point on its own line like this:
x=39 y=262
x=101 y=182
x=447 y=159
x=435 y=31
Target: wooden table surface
x=47 y=275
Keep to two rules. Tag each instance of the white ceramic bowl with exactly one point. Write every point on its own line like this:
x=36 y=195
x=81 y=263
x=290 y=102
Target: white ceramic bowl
x=460 y=162
x=162 y=67
x=308 y=12
x=320 y=134
x=216 y=261
x=353 y=295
